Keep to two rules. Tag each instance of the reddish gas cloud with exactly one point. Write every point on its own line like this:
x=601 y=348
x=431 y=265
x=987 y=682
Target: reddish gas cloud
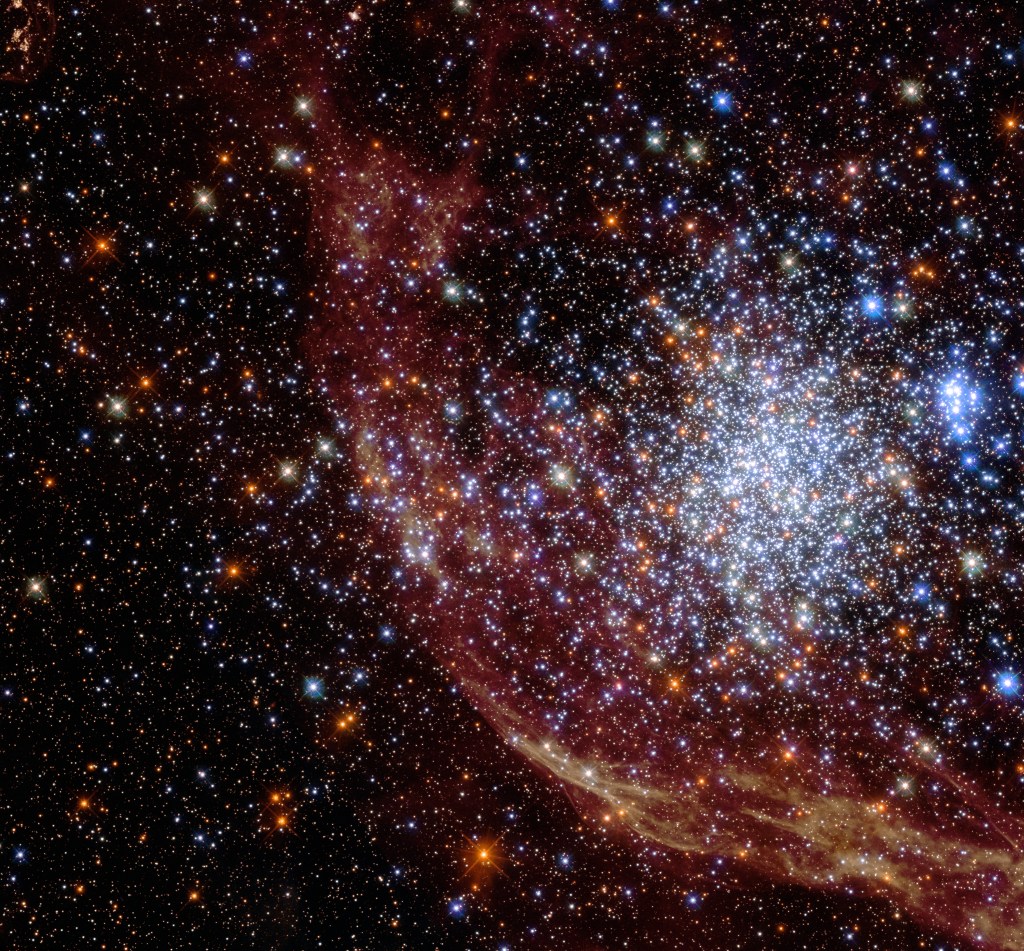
x=562 y=659
x=27 y=29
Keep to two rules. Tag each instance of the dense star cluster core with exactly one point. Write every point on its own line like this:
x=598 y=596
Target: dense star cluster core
x=513 y=476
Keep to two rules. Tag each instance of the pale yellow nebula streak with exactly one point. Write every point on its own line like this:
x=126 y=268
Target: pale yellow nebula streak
x=786 y=831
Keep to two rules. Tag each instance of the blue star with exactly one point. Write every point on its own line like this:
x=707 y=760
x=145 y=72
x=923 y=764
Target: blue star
x=722 y=102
